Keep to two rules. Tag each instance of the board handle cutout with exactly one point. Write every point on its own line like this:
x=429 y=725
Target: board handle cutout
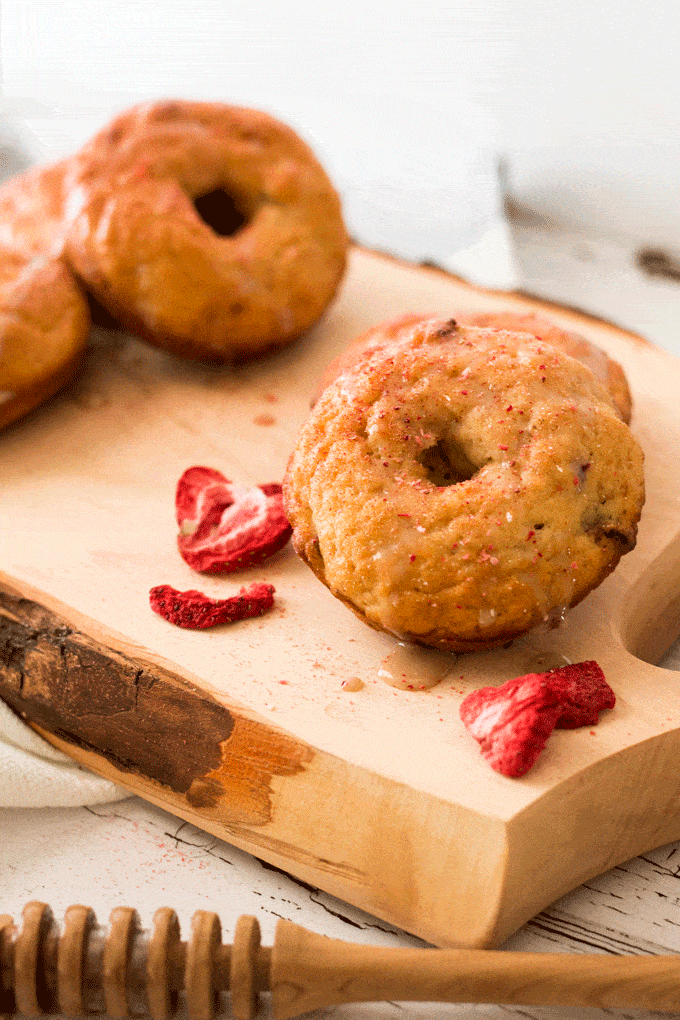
x=650 y=616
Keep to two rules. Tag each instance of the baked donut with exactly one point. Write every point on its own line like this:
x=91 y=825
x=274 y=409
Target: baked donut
x=34 y=211
x=608 y=371
x=44 y=327
x=44 y=315
x=461 y=485
x=210 y=230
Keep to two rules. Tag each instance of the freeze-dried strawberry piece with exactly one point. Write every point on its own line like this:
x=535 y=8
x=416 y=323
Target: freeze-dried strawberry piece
x=226 y=527
x=198 y=491
x=584 y=692
x=512 y=723
x=195 y=611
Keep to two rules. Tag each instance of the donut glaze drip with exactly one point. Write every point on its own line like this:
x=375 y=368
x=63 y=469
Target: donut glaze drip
x=411 y=668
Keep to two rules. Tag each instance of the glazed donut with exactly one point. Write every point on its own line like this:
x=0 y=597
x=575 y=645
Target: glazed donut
x=208 y=229
x=608 y=371
x=34 y=215
x=461 y=485
x=44 y=326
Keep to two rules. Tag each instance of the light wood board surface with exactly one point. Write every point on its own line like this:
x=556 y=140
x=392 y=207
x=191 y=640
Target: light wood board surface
x=379 y=796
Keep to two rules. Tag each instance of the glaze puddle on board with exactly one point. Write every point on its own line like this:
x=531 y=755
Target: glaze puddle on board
x=410 y=667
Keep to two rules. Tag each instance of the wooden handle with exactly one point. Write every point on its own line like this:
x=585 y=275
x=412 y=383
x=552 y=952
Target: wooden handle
x=123 y=971
x=309 y=972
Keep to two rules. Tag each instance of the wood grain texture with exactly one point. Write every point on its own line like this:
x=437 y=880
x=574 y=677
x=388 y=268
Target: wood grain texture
x=310 y=971
x=98 y=697
x=378 y=797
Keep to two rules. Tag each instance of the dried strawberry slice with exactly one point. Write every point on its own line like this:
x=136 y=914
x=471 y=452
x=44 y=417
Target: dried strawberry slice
x=512 y=723
x=226 y=527
x=195 y=611
x=193 y=488
x=584 y=692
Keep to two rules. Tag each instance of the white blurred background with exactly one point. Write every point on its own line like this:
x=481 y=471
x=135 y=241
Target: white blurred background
x=412 y=104
x=585 y=97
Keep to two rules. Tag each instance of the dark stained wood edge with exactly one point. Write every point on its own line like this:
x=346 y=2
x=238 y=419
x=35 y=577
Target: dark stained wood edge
x=138 y=715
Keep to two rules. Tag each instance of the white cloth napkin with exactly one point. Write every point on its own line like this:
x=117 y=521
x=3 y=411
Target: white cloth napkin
x=34 y=774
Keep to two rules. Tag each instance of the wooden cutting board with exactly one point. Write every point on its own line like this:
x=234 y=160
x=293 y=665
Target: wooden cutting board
x=378 y=796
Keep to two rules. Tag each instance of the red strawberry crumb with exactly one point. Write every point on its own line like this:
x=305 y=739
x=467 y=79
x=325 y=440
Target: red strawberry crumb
x=584 y=692
x=225 y=527
x=512 y=722
x=195 y=611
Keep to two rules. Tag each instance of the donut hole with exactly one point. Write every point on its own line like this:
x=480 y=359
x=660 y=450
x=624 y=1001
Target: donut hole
x=446 y=463
x=220 y=211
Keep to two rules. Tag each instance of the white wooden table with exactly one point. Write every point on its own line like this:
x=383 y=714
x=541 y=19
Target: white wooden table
x=131 y=853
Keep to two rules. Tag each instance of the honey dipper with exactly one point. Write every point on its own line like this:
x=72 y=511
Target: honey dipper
x=86 y=969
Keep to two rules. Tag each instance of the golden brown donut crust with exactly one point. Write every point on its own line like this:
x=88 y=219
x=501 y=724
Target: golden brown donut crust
x=608 y=371
x=44 y=326
x=44 y=315
x=120 y=214
x=367 y=344
x=139 y=244
x=462 y=485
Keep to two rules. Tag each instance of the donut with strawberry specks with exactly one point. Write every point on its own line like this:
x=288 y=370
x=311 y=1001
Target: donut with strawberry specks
x=461 y=485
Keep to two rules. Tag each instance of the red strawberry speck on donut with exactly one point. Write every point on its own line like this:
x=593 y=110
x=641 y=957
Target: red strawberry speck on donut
x=512 y=722
x=225 y=527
